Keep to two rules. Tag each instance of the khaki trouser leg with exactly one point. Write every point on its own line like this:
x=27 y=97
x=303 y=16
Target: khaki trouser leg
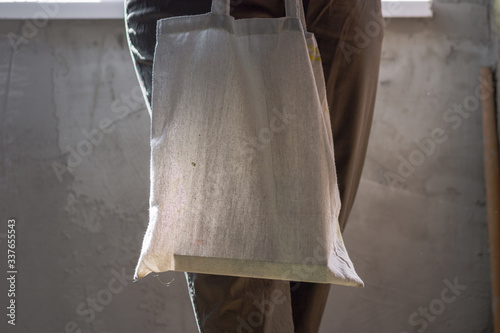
x=349 y=35
x=236 y=304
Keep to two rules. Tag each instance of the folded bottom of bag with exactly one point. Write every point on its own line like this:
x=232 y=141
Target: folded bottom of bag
x=255 y=269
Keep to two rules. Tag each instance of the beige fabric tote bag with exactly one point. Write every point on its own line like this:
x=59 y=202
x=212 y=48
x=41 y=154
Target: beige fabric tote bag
x=243 y=178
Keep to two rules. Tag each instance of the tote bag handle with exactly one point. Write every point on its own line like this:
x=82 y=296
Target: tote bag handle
x=294 y=8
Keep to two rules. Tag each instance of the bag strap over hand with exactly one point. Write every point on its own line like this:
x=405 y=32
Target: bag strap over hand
x=220 y=7
x=294 y=8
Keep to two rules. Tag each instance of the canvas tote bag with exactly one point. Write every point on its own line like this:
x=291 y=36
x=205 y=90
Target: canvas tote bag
x=243 y=179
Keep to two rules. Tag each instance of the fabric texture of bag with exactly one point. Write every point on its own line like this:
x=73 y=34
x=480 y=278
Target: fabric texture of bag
x=243 y=178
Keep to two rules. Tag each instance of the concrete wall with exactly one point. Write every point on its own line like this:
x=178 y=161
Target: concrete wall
x=416 y=231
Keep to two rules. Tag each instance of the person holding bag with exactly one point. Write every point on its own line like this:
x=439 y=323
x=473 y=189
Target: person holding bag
x=244 y=184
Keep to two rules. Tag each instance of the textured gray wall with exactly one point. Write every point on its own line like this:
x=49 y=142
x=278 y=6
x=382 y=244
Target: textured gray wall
x=68 y=97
